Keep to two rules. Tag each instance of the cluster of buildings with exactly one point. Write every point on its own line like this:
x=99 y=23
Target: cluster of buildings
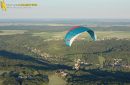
x=80 y=64
x=61 y=73
x=37 y=51
x=119 y=63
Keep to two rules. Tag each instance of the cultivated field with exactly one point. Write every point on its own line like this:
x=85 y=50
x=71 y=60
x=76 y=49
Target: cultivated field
x=12 y=32
x=101 y=35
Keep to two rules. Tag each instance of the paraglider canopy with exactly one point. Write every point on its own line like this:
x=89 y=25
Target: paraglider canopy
x=75 y=31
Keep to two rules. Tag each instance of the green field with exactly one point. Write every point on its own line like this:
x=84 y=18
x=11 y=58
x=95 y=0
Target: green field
x=12 y=32
x=100 y=35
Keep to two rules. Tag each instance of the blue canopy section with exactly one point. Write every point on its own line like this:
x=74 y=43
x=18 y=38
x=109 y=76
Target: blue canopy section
x=75 y=32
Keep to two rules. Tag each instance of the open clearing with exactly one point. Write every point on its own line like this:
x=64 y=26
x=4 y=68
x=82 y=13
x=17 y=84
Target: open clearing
x=48 y=36
x=113 y=34
x=12 y=32
x=55 y=80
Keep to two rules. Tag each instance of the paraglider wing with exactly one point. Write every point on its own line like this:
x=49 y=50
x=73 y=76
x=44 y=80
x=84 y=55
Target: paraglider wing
x=74 y=32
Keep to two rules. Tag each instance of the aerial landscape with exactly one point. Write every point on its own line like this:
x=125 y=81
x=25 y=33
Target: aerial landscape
x=35 y=53
x=64 y=42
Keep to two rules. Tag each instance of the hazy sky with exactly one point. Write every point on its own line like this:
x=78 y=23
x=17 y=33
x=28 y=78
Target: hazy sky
x=70 y=9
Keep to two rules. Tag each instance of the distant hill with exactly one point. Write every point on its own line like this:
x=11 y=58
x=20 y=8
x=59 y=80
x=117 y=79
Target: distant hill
x=65 y=24
x=63 y=28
